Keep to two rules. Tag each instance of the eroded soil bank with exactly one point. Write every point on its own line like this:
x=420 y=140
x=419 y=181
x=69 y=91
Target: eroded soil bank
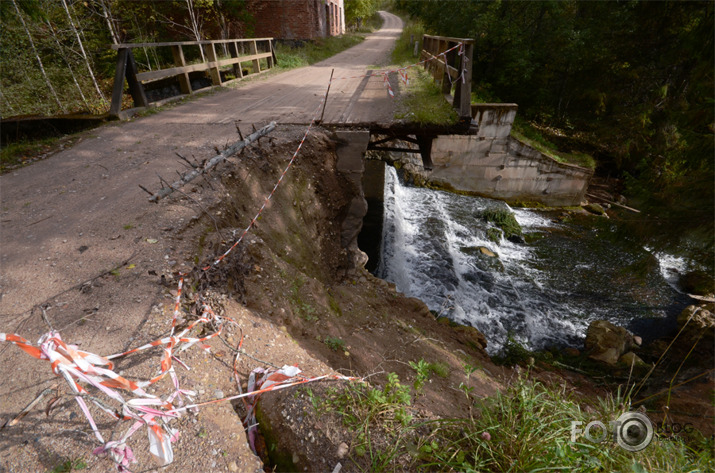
x=297 y=297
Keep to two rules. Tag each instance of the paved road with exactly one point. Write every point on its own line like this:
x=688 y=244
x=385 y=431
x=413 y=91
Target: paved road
x=67 y=218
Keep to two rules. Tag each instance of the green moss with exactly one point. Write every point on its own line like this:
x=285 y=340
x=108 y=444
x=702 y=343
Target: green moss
x=494 y=234
x=529 y=135
x=334 y=306
x=504 y=219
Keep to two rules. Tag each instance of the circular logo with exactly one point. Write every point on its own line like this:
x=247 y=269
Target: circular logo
x=634 y=431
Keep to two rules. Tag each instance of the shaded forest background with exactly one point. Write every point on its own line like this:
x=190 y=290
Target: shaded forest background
x=630 y=82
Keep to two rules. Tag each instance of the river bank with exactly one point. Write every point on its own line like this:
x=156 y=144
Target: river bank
x=298 y=298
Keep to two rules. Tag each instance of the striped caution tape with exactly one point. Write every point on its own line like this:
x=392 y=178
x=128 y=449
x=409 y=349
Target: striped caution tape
x=78 y=366
x=386 y=81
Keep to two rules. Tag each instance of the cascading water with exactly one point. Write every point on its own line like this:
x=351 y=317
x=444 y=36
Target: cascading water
x=542 y=293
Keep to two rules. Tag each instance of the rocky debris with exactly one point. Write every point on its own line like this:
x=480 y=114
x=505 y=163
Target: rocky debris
x=607 y=342
x=631 y=359
x=486 y=251
x=595 y=208
x=699 y=283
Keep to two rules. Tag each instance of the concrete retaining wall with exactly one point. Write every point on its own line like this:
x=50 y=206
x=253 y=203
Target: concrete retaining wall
x=494 y=164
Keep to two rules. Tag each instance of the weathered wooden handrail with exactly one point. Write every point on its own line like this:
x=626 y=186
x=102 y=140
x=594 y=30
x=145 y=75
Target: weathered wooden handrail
x=127 y=68
x=451 y=69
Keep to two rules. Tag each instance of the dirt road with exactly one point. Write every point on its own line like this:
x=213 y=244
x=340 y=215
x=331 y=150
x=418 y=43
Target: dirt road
x=68 y=217
x=79 y=239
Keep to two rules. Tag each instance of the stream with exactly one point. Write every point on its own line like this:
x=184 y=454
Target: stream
x=543 y=292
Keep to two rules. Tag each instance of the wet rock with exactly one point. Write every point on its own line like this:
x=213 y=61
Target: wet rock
x=572 y=352
x=607 y=342
x=699 y=283
x=631 y=359
x=486 y=251
x=471 y=336
x=595 y=208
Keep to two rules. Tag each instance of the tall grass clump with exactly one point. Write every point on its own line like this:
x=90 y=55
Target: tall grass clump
x=528 y=428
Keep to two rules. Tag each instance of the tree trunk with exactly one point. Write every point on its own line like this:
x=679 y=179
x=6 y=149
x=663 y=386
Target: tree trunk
x=84 y=54
x=110 y=22
x=195 y=26
x=69 y=67
x=39 y=60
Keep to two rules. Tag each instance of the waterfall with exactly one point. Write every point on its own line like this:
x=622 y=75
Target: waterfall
x=542 y=294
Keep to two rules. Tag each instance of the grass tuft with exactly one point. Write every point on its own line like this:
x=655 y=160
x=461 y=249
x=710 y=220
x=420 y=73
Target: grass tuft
x=526 y=427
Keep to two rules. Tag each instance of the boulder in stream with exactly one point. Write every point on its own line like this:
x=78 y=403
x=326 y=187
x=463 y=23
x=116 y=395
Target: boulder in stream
x=607 y=342
x=699 y=283
x=631 y=359
x=595 y=208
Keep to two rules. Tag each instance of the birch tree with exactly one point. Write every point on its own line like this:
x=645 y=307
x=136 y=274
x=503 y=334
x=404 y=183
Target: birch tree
x=64 y=58
x=37 y=56
x=81 y=48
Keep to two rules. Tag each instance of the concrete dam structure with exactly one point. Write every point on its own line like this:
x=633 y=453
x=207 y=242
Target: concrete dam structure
x=494 y=164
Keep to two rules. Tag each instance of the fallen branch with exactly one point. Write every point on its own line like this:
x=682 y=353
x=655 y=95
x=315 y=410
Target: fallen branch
x=613 y=203
x=231 y=150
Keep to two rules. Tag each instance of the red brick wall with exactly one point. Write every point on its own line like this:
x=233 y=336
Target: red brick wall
x=295 y=19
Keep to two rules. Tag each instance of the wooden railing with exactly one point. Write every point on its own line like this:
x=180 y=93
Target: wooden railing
x=240 y=51
x=451 y=70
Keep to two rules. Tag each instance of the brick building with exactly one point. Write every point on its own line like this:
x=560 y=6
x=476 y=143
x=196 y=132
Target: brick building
x=297 y=19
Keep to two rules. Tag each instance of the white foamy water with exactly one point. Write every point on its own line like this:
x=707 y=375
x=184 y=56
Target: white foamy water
x=431 y=250
x=671 y=267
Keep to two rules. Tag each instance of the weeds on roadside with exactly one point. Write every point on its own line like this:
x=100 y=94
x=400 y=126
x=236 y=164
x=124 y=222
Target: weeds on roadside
x=310 y=52
x=15 y=154
x=69 y=465
x=421 y=101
